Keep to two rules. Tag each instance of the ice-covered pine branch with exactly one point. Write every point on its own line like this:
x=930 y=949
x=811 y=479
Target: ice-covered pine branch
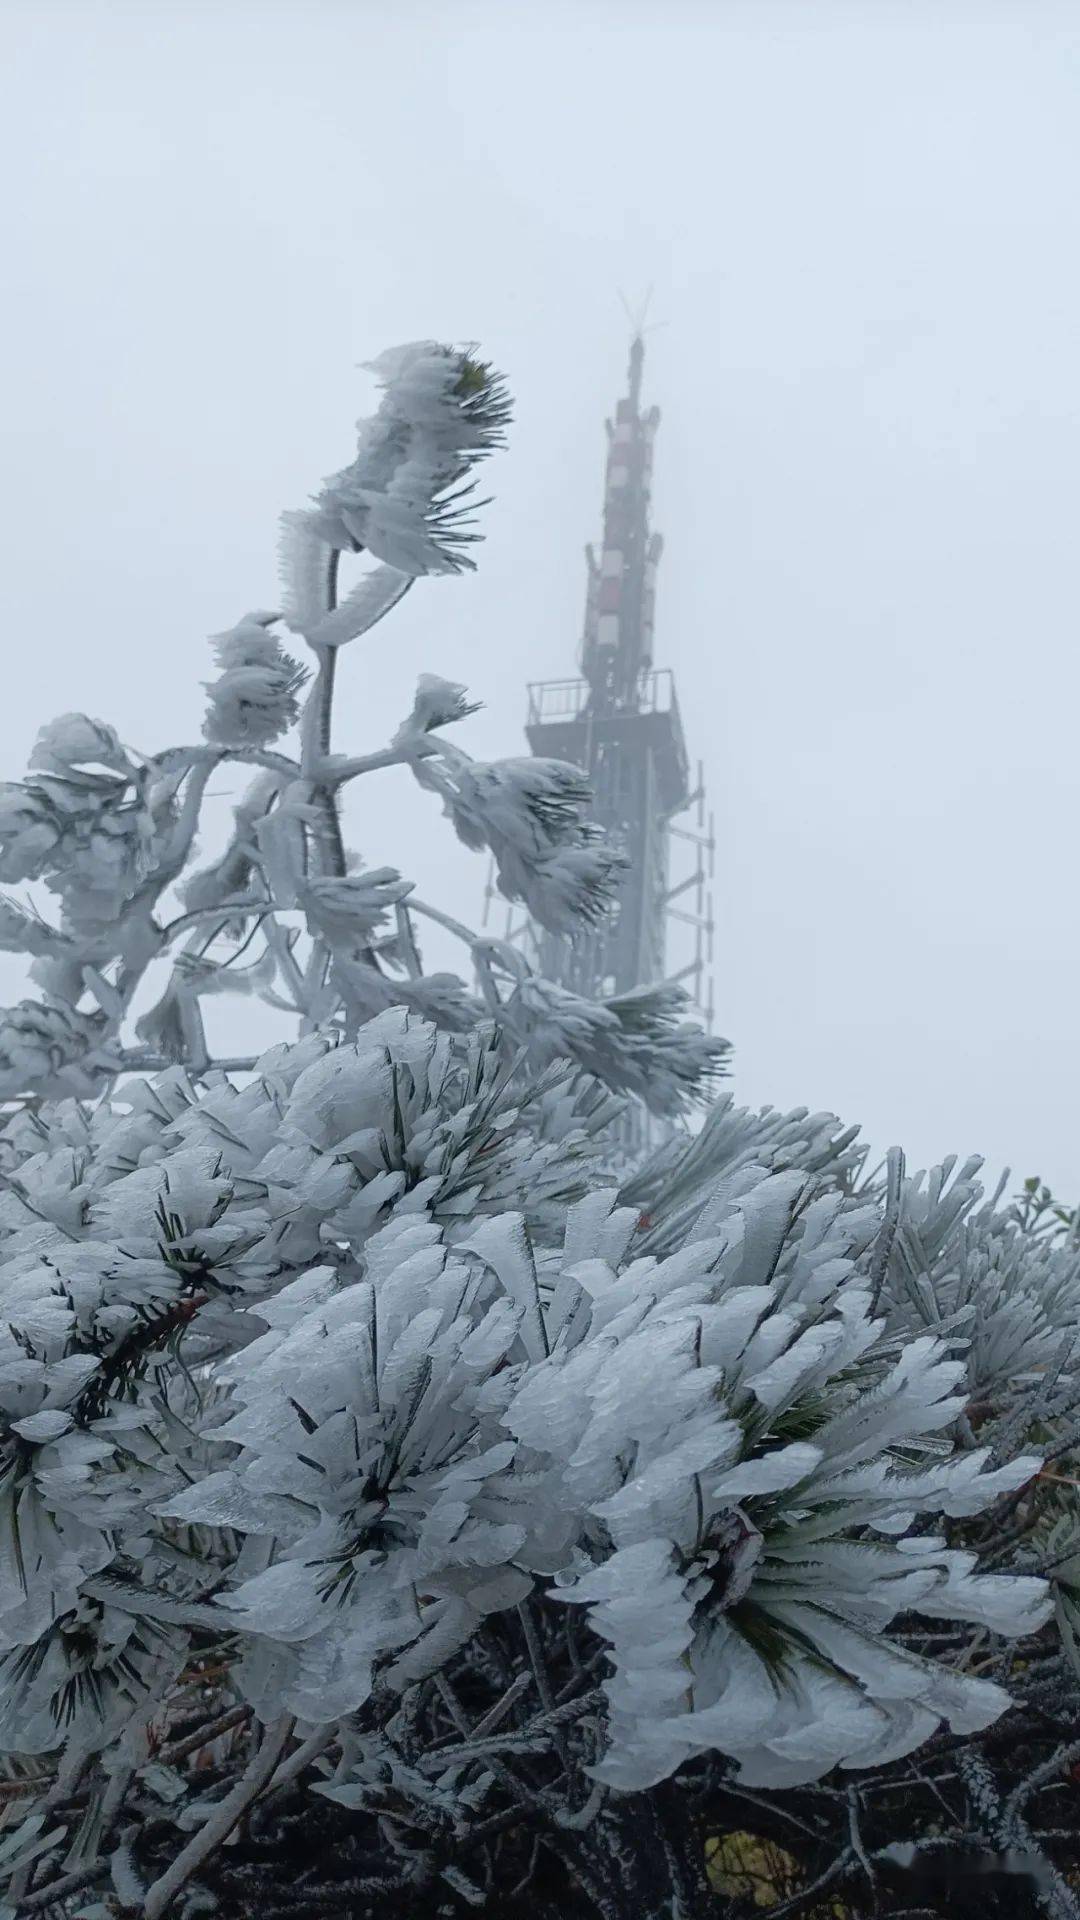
x=407 y=496
x=144 y=936
x=533 y=815
x=254 y=697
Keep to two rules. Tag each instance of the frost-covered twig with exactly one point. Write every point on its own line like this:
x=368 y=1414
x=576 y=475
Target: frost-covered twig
x=211 y=1729
x=221 y=1822
x=57 y=1890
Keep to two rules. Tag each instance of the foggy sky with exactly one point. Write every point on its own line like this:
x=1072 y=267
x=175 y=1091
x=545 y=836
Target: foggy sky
x=861 y=226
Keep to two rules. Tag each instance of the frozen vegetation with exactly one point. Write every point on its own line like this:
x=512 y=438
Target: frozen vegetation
x=407 y=1509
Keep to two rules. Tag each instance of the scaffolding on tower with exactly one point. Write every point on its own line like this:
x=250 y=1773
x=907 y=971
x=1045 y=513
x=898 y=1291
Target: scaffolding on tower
x=619 y=721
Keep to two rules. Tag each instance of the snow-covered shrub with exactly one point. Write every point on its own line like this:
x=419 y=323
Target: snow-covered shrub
x=957 y=1261
x=352 y=1386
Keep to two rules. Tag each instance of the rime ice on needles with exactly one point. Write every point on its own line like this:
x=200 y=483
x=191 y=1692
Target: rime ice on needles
x=437 y=703
x=532 y=816
x=355 y=906
x=958 y=1261
x=756 y=1499
x=364 y=1451
x=75 y=742
x=677 y=1182
x=635 y=1040
x=254 y=698
x=23 y=931
x=88 y=837
x=404 y=498
x=54 y=1048
x=188 y=1212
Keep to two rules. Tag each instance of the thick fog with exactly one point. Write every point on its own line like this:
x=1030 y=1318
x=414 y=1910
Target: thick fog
x=860 y=224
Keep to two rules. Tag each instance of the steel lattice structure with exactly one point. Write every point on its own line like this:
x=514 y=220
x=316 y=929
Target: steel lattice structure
x=620 y=722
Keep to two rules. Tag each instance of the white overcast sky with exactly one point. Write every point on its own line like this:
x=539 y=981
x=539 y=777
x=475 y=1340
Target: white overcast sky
x=861 y=224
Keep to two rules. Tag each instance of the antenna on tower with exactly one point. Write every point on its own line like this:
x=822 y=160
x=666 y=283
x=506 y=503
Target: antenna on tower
x=638 y=329
x=637 y=317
